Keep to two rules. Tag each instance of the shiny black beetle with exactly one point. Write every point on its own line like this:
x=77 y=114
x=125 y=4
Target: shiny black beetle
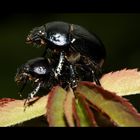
x=38 y=72
x=73 y=43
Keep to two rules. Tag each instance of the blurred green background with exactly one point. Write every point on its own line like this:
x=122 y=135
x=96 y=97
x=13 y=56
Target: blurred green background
x=119 y=33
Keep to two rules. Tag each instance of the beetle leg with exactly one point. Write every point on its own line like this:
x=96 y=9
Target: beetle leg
x=33 y=93
x=58 y=69
x=93 y=70
x=93 y=67
x=95 y=78
x=22 y=88
x=73 y=80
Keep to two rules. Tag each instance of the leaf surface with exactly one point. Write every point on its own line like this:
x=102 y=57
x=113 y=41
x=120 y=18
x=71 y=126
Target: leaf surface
x=68 y=108
x=13 y=112
x=118 y=109
x=123 y=82
x=55 y=107
x=83 y=115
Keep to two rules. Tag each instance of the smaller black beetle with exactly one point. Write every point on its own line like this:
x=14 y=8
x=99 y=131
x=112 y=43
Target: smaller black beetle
x=73 y=43
x=38 y=71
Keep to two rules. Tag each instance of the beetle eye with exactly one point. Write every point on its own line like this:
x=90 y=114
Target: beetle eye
x=41 y=33
x=26 y=68
x=40 y=70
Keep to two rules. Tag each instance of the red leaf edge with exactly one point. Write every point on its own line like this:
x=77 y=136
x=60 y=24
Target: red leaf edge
x=76 y=117
x=50 y=96
x=88 y=111
x=113 y=96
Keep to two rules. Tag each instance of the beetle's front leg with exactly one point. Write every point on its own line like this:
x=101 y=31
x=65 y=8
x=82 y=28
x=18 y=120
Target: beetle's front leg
x=57 y=71
x=73 y=79
x=33 y=93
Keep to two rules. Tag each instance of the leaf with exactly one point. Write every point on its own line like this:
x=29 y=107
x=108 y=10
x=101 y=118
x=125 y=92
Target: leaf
x=118 y=109
x=83 y=115
x=124 y=82
x=68 y=108
x=55 y=107
x=102 y=120
x=13 y=112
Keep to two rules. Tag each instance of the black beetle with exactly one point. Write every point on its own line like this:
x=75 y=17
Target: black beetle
x=38 y=71
x=73 y=43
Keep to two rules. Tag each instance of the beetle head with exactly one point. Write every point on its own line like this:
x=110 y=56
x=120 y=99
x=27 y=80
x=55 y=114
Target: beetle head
x=37 y=36
x=23 y=75
x=34 y=70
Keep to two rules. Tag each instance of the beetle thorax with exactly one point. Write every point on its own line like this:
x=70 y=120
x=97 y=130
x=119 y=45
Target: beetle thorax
x=59 y=39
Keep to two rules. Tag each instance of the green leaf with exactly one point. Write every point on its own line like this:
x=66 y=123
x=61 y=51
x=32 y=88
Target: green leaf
x=68 y=108
x=13 y=112
x=118 y=109
x=101 y=119
x=55 y=107
x=83 y=115
x=123 y=82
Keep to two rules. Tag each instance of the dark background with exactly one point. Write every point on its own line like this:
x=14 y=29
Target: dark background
x=118 y=31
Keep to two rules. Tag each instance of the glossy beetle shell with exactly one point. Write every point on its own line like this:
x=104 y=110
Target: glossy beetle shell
x=65 y=35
